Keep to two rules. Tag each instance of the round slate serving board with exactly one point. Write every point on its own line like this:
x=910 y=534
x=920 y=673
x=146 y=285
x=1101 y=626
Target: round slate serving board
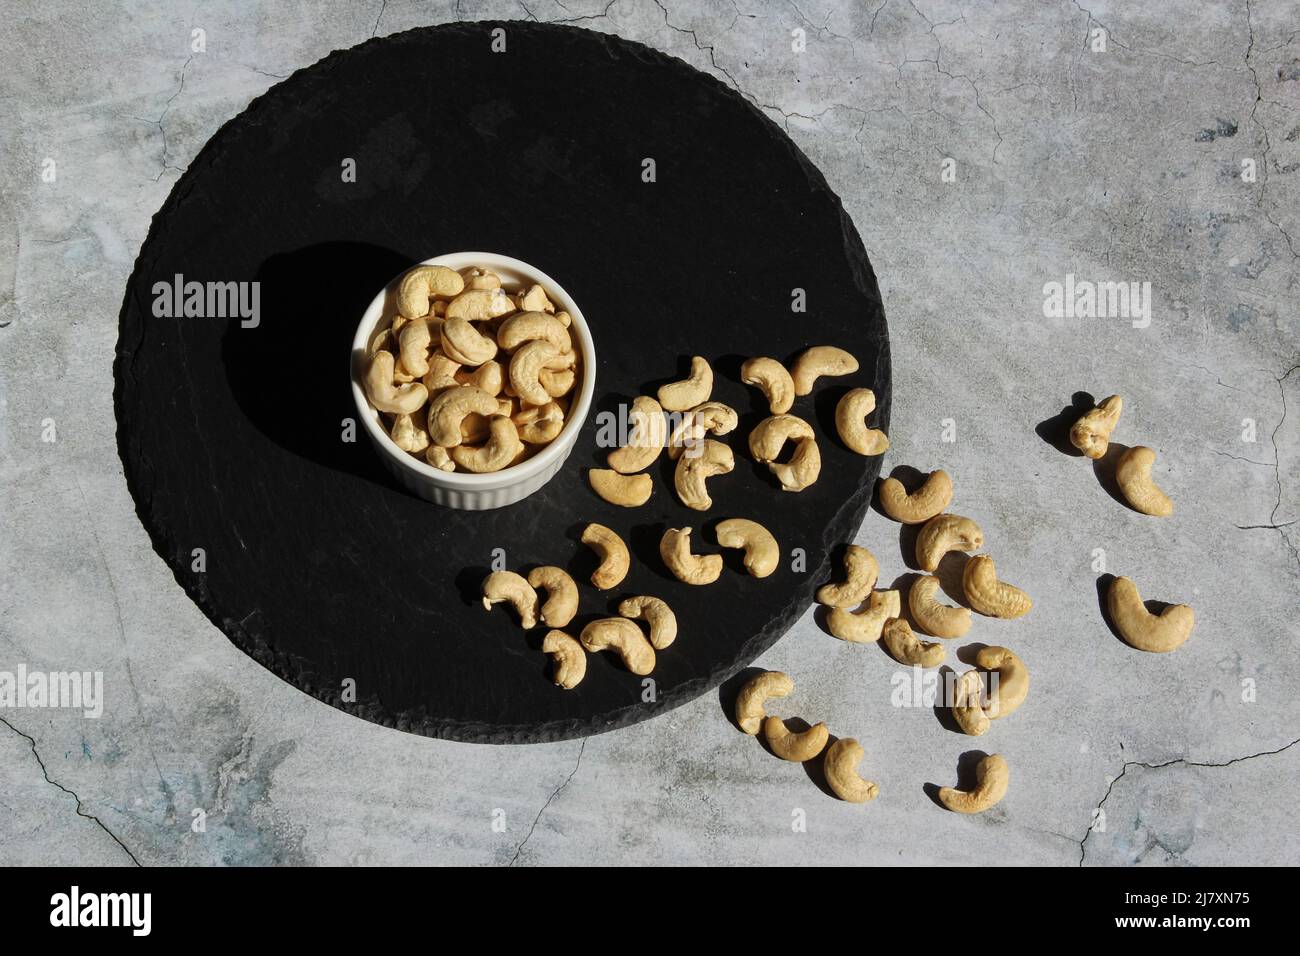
x=299 y=546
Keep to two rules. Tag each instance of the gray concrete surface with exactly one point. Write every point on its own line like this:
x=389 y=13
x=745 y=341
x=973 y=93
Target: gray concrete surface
x=1117 y=164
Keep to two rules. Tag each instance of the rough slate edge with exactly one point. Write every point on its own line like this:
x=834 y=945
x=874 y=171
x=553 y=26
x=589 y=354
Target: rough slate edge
x=296 y=673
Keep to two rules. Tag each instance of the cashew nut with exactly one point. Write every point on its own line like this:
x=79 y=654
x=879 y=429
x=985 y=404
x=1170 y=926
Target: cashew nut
x=967 y=707
x=527 y=326
x=770 y=435
x=675 y=549
x=1011 y=687
x=561 y=594
x=1142 y=629
x=655 y=612
x=387 y=396
x=437 y=456
x=479 y=305
x=535 y=300
x=539 y=424
x=988 y=595
x=557 y=382
x=761 y=550
x=934 y=617
x=1133 y=474
x=944 y=533
x=905 y=648
x=1091 y=433
x=442 y=372
x=772 y=380
x=499 y=451
x=818 y=361
x=796 y=746
x=525 y=365
x=802 y=469
x=841 y=768
x=623 y=636
x=991 y=778
x=851 y=422
x=860 y=572
x=754 y=695
x=409 y=434
x=449 y=408
x=423 y=282
x=865 y=626
x=463 y=343
x=481 y=279
x=710 y=417
x=568 y=659
x=628 y=491
x=693 y=470
x=645 y=439
x=614 y=557
x=690 y=391
x=413 y=342
x=507 y=586
x=489 y=377
x=930 y=499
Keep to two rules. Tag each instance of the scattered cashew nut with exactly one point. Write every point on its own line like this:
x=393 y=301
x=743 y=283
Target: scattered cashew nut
x=865 y=626
x=905 y=648
x=569 y=660
x=988 y=595
x=761 y=550
x=772 y=379
x=645 y=438
x=623 y=636
x=693 y=390
x=803 y=468
x=798 y=746
x=561 y=594
x=967 y=706
x=709 y=418
x=1091 y=433
x=614 y=557
x=930 y=499
x=851 y=422
x=507 y=586
x=818 y=361
x=1133 y=475
x=991 y=778
x=754 y=695
x=769 y=436
x=944 y=533
x=675 y=549
x=841 y=768
x=1157 y=633
x=655 y=612
x=627 y=491
x=934 y=617
x=693 y=471
x=860 y=572
x=1011 y=686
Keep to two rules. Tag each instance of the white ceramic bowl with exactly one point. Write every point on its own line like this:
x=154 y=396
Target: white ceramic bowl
x=465 y=490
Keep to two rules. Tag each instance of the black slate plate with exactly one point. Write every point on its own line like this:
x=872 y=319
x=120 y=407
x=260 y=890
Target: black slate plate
x=314 y=562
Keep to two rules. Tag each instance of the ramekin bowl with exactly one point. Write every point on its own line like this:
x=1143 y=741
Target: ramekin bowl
x=466 y=490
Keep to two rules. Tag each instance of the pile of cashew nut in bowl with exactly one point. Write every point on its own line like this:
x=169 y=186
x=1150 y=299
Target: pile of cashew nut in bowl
x=472 y=373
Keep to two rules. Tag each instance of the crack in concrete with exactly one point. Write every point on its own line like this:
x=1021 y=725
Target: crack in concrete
x=1277 y=467
x=375 y=29
x=158 y=123
x=1268 y=144
x=80 y=807
x=1083 y=850
x=558 y=790
x=591 y=16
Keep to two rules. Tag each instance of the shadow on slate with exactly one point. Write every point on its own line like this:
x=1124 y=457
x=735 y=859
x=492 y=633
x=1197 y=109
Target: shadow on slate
x=317 y=564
